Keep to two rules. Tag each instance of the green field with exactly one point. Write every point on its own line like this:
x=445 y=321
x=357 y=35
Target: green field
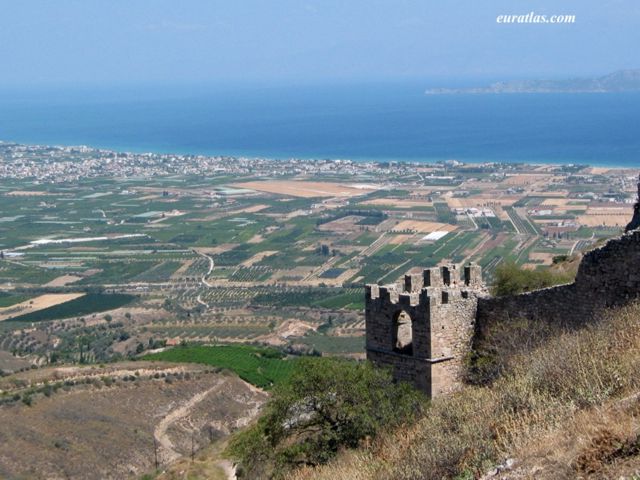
x=334 y=345
x=262 y=367
x=334 y=298
x=8 y=299
x=275 y=256
x=90 y=303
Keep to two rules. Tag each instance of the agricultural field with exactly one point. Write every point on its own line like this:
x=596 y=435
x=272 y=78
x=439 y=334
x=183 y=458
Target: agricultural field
x=76 y=306
x=108 y=268
x=148 y=303
x=262 y=367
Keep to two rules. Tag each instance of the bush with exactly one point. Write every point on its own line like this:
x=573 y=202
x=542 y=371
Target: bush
x=510 y=279
x=541 y=391
x=327 y=404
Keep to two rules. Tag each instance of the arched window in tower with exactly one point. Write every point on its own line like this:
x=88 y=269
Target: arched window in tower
x=403 y=333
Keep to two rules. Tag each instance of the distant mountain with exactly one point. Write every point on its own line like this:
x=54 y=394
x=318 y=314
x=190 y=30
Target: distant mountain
x=620 y=81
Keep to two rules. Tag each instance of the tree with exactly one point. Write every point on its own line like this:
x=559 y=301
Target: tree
x=510 y=279
x=326 y=405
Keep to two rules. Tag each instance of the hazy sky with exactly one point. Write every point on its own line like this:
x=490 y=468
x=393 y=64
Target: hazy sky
x=178 y=41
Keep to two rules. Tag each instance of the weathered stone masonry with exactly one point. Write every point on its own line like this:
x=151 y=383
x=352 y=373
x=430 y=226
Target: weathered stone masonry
x=607 y=277
x=446 y=312
x=439 y=308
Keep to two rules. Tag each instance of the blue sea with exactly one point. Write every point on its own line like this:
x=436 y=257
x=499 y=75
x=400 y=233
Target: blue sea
x=359 y=122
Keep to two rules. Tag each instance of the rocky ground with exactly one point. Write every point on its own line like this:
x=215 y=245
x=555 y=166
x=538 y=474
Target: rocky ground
x=113 y=422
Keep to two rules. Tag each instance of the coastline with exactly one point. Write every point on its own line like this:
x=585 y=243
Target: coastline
x=391 y=123
x=247 y=155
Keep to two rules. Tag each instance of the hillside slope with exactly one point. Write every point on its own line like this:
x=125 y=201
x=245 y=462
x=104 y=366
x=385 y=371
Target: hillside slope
x=109 y=422
x=568 y=409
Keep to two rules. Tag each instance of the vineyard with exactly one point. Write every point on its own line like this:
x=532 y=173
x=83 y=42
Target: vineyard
x=262 y=367
x=332 y=298
x=90 y=303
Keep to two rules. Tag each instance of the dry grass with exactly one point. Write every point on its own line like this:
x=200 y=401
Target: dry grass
x=398 y=202
x=420 y=226
x=400 y=239
x=600 y=442
x=38 y=303
x=476 y=201
x=543 y=258
x=604 y=219
x=562 y=409
x=527 y=179
x=207 y=464
x=566 y=202
x=258 y=257
x=62 y=280
x=100 y=429
x=304 y=189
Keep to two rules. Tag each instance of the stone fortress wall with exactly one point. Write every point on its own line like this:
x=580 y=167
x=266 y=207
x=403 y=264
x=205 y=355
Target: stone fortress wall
x=424 y=329
x=607 y=277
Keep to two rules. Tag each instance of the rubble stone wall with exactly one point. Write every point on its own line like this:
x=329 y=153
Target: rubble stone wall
x=448 y=310
x=608 y=276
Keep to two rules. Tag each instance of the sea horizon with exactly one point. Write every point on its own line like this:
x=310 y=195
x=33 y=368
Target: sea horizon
x=362 y=123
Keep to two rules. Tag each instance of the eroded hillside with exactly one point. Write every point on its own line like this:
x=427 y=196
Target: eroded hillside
x=110 y=422
x=567 y=409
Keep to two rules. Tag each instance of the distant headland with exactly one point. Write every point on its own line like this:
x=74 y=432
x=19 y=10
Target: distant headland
x=620 y=81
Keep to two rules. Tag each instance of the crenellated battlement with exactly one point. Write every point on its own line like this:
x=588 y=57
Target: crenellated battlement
x=445 y=277
x=422 y=327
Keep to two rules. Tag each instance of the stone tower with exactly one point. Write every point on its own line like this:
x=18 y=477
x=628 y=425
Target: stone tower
x=423 y=329
x=635 y=221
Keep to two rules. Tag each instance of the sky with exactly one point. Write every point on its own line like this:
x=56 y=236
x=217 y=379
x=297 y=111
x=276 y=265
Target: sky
x=119 y=42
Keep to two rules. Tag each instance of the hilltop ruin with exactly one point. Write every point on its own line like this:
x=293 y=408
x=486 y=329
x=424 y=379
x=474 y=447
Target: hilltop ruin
x=424 y=329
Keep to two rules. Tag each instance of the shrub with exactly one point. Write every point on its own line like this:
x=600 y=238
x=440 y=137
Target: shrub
x=541 y=390
x=510 y=279
x=327 y=404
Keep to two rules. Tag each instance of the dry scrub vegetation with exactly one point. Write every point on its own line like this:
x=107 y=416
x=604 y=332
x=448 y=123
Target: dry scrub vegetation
x=566 y=409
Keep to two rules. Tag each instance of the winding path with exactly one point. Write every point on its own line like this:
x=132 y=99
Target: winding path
x=211 y=265
x=168 y=453
x=203 y=280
